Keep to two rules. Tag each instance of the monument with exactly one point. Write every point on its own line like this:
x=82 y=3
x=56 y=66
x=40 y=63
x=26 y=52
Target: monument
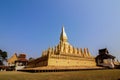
x=64 y=55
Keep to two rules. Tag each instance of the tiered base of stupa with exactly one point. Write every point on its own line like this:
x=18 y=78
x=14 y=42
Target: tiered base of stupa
x=63 y=57
x=65 y=60
x=61 y=63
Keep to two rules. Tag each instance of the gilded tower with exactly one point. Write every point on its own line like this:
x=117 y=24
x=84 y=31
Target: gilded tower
x=65 y=48
x=63 y=36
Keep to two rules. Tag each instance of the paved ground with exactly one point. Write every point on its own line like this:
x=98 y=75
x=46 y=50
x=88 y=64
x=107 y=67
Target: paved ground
x=72 y=75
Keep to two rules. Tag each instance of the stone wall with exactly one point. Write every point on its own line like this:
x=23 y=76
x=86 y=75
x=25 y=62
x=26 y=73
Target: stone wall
x=63 y=60
x=42 y=61
x=59 y=60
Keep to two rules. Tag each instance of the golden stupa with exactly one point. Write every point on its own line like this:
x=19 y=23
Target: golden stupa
x=64 y=55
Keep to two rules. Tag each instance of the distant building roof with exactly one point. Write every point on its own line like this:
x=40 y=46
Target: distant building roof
x=104 y=54
x=15 y=58
x=22 y=59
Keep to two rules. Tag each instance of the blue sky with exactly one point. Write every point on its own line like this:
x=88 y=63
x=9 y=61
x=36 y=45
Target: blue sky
x=31 y=26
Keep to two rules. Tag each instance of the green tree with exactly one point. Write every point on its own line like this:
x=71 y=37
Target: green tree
x=3 y=56
x=30 y=59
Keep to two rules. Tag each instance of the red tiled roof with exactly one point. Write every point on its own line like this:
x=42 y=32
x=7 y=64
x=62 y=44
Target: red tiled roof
x=22 y=59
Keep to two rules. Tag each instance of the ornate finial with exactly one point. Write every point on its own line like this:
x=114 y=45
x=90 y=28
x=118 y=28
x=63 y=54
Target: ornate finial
x=63 y=36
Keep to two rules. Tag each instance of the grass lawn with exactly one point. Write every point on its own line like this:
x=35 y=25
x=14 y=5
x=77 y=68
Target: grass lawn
x=73 y=75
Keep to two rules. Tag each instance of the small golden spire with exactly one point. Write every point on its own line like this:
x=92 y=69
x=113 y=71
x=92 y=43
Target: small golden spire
x=63 y=36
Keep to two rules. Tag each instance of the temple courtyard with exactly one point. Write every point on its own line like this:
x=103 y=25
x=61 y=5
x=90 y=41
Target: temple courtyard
x=109 y=74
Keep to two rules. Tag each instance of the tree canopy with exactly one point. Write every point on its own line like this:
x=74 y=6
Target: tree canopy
x=3 y=56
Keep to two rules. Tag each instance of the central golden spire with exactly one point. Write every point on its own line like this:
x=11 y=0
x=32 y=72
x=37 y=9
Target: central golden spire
x=63 y=36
